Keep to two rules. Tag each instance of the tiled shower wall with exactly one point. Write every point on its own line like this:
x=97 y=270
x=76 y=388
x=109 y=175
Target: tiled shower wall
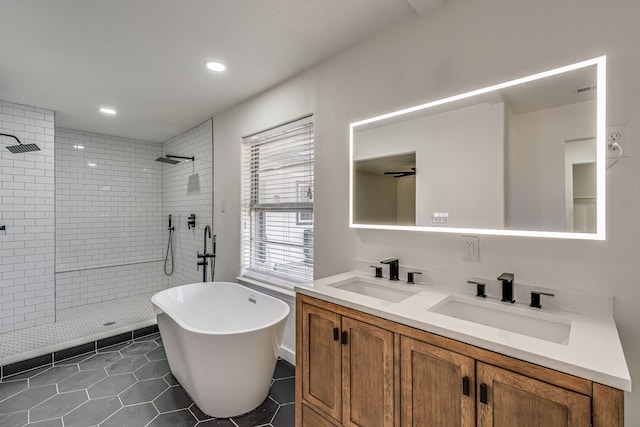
x=188 y=188
x=27 y=246
x=108 y=218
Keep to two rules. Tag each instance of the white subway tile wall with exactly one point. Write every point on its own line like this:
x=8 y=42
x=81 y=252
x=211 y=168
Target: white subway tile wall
x=108 y=200
x=188 y=189
x=108 y=218
x=27 y=247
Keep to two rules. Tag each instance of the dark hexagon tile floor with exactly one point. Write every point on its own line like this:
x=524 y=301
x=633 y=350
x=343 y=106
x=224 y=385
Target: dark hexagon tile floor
x=128 y=384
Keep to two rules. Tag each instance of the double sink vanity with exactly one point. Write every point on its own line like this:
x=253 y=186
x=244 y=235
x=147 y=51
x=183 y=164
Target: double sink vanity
x=372 y=351
x=524 y=158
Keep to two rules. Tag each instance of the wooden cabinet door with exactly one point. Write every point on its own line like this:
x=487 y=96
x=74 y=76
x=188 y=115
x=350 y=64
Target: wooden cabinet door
x=367 y=372
x=321 y=382
x=513 y=400
x=437 y=386
x=311 y=418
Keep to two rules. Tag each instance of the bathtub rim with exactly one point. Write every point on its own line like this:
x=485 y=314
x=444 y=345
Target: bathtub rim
x=183 y=325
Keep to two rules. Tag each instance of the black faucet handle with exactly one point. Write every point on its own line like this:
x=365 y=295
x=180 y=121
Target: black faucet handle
x=378 y=270
x=535 y=298
x=481 y=288
x=411 y=277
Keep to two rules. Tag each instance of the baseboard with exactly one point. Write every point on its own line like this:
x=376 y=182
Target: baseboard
x=287 y=355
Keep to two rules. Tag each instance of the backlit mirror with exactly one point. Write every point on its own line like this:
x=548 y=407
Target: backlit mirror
x=526 y=157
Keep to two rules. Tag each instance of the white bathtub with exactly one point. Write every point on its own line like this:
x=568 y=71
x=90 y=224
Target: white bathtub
x=222 y=343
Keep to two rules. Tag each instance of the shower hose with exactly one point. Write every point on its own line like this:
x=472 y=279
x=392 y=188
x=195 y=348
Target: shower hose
x=169 y=250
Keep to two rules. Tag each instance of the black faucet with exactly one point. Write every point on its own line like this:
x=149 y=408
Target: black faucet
x=507 y=287
x=205 y=256
x=394 y=268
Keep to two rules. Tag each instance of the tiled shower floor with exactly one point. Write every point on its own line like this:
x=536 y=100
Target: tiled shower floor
x=129 y=385
x=76 y=326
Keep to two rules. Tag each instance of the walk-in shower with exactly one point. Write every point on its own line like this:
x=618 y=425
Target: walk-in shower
x=172 y=159
x=92 y=296
x=20 y=148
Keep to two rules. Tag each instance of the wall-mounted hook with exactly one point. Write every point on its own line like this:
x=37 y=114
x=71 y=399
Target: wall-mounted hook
x=192 y=221
x=3 y=229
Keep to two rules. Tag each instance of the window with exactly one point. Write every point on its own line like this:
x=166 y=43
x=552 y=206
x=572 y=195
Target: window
x=277 y=204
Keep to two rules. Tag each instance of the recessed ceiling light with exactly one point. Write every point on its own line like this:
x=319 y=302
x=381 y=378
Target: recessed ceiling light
x=107 y=110
x=215 y=66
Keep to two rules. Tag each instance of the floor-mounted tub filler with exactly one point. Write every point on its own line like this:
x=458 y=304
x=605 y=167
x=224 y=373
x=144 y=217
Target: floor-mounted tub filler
x=222 y=343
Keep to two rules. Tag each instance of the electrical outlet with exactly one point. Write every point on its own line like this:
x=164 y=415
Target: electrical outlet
x=470 y=248
x=617 y=141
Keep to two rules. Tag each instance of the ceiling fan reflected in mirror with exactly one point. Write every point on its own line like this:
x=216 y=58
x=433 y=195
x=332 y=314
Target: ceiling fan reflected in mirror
x=401 y=174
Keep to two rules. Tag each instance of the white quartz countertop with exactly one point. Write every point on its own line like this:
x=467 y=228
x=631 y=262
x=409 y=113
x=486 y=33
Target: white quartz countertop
x=593 y=350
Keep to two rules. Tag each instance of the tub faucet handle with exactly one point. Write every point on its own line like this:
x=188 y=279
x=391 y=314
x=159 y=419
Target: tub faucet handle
x=203 y=262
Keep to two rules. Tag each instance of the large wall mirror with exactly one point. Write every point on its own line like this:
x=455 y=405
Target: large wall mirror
x=526 y=157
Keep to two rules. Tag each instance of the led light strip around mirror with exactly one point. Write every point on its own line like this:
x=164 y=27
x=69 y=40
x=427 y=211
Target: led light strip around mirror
x=600 y=234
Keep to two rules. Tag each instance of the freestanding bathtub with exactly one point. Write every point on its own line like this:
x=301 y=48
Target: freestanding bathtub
x=222 y=341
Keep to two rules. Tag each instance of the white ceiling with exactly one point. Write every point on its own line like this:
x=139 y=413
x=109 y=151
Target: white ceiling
x=145 y=57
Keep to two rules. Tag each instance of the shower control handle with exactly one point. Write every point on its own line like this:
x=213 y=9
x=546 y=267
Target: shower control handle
x=204 y=262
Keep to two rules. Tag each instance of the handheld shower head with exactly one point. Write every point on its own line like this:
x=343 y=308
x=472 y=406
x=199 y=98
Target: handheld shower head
x=20 y=148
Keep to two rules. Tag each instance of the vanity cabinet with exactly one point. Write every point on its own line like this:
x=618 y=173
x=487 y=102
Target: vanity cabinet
x=356 y=369
x=347 y=369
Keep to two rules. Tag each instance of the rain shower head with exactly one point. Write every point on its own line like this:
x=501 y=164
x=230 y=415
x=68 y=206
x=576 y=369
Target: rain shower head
x=171 y=159
x=20 y=148
x=167 y=160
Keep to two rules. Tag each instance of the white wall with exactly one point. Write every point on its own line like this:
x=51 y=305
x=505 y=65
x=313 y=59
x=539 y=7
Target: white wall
x=464 y=46
x=27 y=247
x=187 y=189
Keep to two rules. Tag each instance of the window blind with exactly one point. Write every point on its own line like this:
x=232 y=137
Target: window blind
x=277 y=204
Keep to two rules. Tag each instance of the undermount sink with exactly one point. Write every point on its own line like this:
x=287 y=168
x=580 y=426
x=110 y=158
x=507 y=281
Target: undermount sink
x=379 y=291
x=539 y=325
